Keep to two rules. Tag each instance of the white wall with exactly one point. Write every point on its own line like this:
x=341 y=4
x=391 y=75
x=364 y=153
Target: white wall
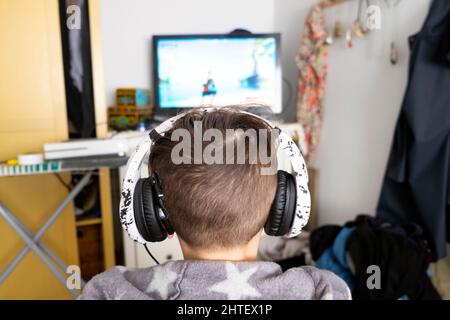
x=127 y=27
x=363 y=98
x=364 y=91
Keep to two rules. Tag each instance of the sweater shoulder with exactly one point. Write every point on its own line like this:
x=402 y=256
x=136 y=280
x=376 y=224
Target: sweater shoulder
x=328 y=286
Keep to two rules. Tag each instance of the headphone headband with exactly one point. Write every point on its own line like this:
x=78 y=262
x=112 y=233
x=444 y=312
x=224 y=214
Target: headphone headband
x=285 y=144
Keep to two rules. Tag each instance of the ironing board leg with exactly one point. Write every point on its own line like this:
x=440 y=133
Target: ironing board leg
x=33 y=241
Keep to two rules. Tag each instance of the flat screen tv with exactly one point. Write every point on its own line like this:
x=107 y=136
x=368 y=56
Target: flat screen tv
x=195 y=70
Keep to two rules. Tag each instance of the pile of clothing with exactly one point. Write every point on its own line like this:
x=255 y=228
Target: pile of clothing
x=399 y=252
x=358 y=251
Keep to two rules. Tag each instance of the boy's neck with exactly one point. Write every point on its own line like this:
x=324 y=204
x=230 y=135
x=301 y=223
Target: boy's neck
x=222 y=255
x=246 y=252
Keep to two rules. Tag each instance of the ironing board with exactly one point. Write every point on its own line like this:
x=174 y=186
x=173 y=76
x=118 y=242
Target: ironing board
x=84 y=166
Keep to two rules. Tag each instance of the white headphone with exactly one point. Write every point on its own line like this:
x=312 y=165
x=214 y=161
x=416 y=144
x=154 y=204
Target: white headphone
x=143 y=214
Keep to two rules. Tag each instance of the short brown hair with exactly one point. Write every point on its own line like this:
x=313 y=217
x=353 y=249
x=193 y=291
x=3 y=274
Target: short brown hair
x=217 y=205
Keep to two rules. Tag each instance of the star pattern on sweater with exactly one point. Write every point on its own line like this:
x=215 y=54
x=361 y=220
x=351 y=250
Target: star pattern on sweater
x=162 y=279
x=236 y=285
x=116 y=296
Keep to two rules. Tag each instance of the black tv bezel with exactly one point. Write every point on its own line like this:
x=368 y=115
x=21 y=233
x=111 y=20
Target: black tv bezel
x=164 y=113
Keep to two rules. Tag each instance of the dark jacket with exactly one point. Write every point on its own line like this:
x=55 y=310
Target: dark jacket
x=416 y=186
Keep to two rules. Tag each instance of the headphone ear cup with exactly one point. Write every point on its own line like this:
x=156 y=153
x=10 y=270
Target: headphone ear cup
x=145 y=212
x=282 y=211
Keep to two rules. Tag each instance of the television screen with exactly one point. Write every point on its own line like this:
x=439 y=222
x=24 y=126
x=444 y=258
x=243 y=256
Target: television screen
x=190 y=71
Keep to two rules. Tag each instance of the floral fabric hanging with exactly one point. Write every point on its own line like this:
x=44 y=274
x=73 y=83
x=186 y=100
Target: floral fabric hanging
x=311 y=61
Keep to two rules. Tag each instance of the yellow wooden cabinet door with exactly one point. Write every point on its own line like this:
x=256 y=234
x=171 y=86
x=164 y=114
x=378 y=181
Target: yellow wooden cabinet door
x=32 y=112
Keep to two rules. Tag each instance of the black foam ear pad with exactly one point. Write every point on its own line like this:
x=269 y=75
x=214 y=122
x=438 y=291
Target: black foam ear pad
x=282 y=211
x=145 y=212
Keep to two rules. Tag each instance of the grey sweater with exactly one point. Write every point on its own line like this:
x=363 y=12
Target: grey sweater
x=186 y=280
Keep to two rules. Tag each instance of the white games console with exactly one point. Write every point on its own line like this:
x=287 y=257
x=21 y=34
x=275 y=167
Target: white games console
x=85 y=148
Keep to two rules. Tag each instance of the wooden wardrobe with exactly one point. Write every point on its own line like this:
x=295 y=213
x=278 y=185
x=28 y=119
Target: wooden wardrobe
x=33 y=112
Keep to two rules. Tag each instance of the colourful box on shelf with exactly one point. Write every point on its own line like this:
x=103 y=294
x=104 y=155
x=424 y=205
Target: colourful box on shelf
x=128 y=117
x=132 y=97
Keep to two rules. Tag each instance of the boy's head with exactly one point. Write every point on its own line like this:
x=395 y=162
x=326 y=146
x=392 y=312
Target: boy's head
x=216 y=206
